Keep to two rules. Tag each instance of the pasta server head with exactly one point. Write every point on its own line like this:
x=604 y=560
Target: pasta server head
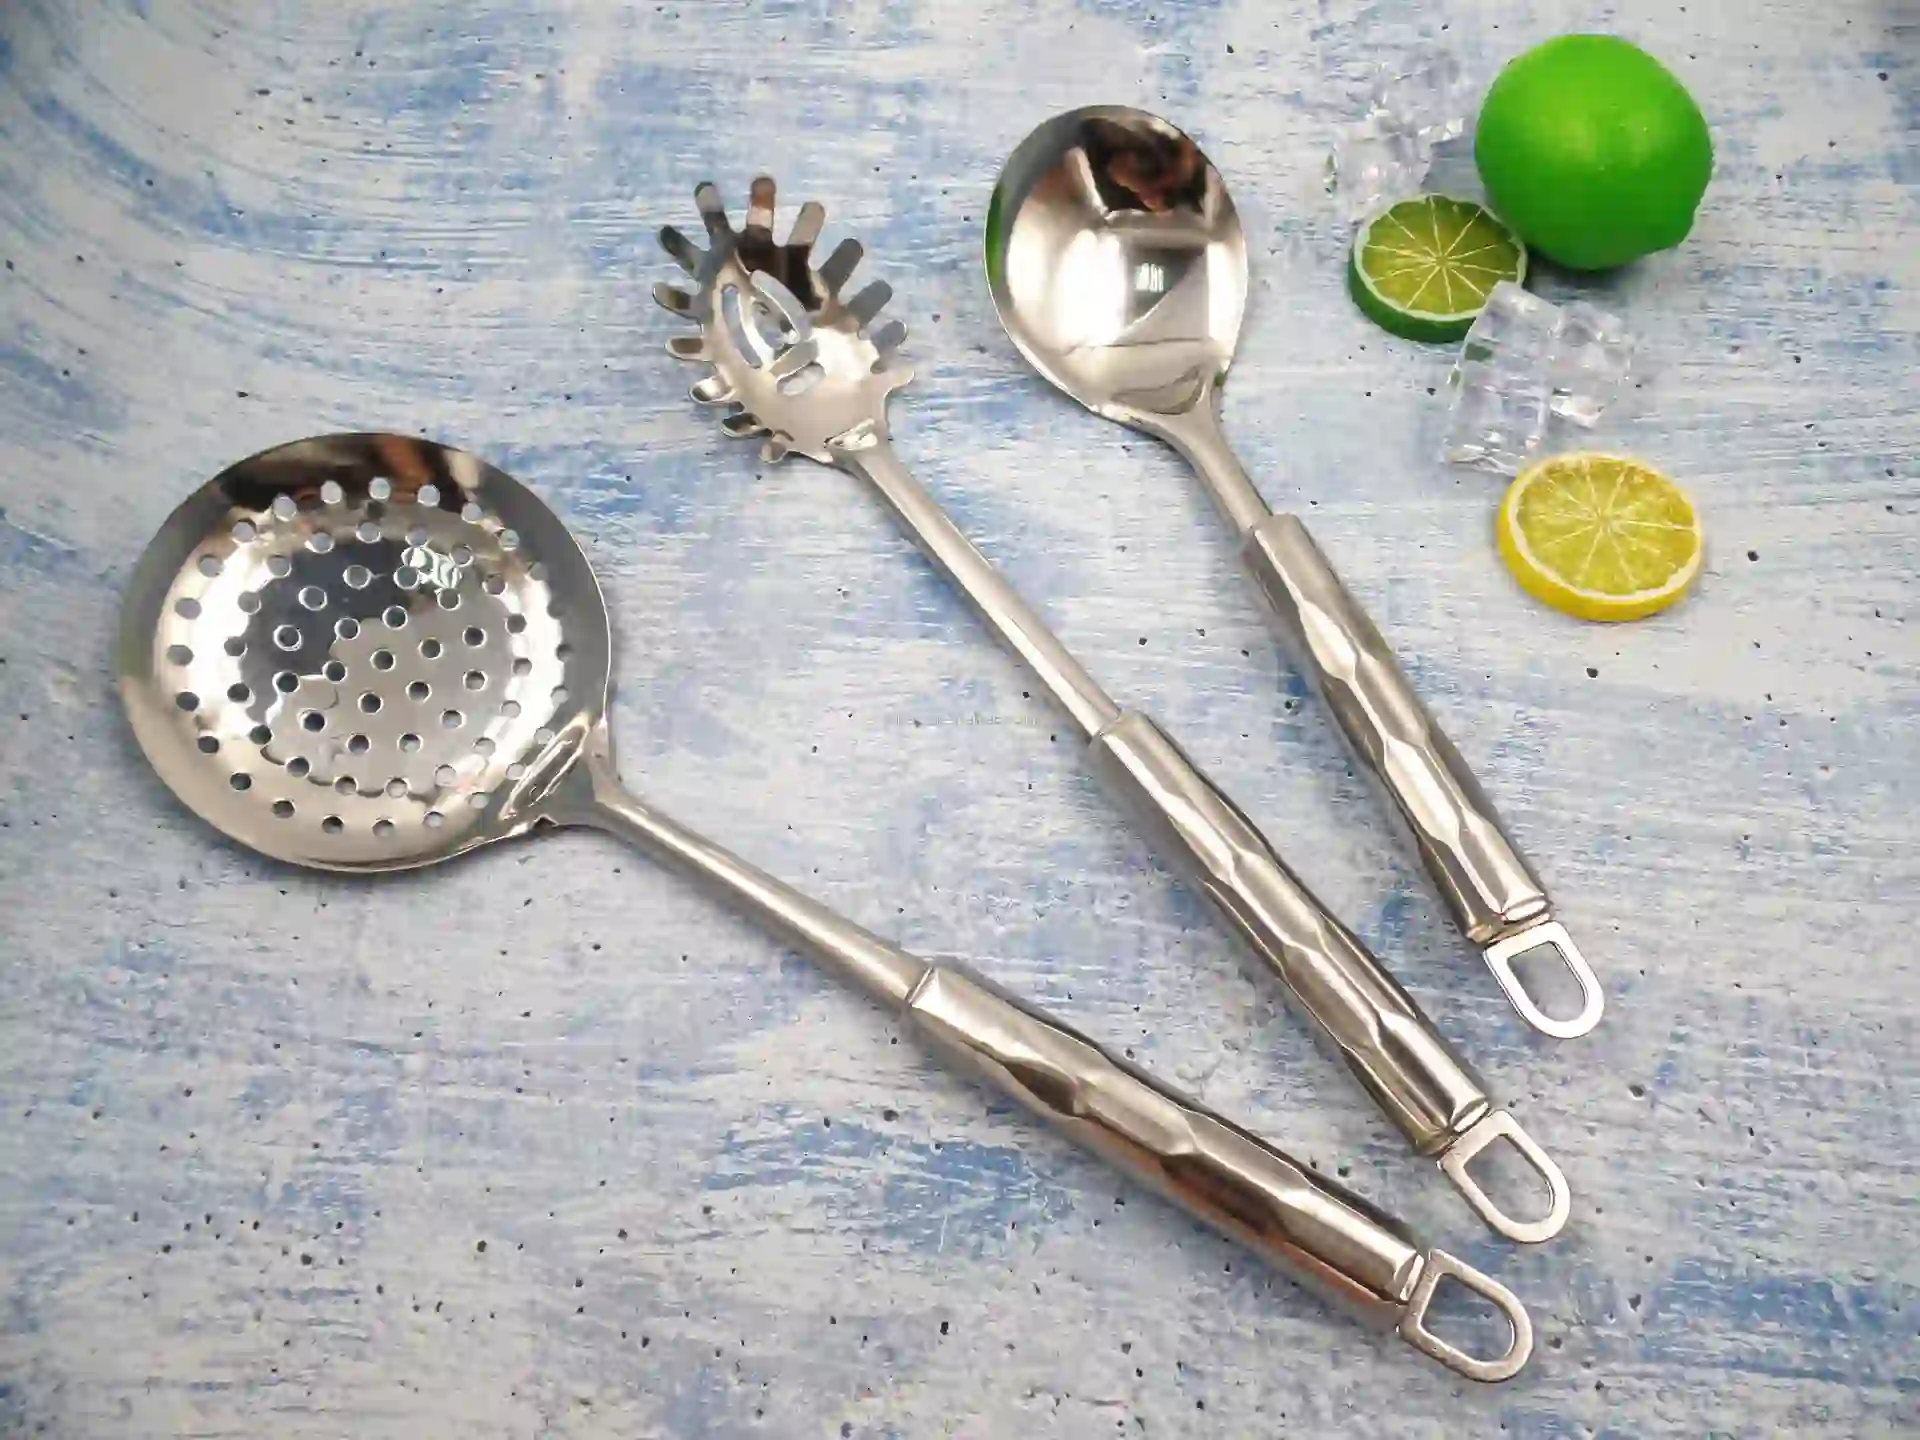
x=794 y=357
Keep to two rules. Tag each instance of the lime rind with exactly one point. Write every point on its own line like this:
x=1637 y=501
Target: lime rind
x=1423 y=268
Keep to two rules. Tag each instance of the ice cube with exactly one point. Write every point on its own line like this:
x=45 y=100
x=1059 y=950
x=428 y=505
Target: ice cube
x=1375 y=163
x=1514 y=329
x=1498 y=419
x=1526 y=358
x=1591 y=365
x=1425 y=94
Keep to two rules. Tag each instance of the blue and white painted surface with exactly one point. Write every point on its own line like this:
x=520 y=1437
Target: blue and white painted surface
x=543 y=1143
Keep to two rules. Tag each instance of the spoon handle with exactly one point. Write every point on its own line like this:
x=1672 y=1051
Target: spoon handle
x=1317 y=1231
x=1495 y=898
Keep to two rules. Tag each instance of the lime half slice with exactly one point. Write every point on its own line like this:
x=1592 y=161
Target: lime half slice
x=1423 y=269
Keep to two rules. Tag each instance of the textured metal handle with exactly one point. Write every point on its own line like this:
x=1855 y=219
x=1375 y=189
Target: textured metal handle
x=1482 y=877
x=1232 y=1180
x=1229 y=1179
x=1404 y=1063
x=1428 y=1091
x=1493 y=893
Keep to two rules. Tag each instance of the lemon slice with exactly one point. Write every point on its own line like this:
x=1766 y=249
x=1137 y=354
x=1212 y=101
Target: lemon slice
x=1600 y=537
x=1424 y=268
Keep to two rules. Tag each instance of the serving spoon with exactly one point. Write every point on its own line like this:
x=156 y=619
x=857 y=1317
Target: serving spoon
x=1118 y=267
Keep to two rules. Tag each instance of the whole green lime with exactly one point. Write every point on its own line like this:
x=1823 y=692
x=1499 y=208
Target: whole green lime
x=1593 y=152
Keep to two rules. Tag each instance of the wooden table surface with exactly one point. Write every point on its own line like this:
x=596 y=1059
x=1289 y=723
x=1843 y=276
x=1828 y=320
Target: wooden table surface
x=545 y=1143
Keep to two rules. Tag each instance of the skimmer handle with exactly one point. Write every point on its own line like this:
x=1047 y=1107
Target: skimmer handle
x=1327 y=1237
x=1227 y=1178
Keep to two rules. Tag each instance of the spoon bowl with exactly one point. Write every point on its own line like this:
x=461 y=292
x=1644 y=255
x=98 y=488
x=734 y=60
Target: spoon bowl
x=1117 y=263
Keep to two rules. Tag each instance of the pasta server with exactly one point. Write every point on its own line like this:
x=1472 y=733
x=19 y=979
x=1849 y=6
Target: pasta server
x=1119 y=269
x=369 y=653
x=809 y=366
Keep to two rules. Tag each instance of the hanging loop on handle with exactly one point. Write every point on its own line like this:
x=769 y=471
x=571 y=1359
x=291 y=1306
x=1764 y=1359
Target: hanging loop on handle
x=1413 y=1325
x=1547 y=935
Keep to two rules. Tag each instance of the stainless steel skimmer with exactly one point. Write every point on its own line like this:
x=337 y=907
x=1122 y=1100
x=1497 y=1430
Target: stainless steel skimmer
x=1117 y=264
x=800 y=362
x=367 y=652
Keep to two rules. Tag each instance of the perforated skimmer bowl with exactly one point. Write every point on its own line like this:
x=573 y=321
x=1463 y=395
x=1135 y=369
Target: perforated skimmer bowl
x=355 y=652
